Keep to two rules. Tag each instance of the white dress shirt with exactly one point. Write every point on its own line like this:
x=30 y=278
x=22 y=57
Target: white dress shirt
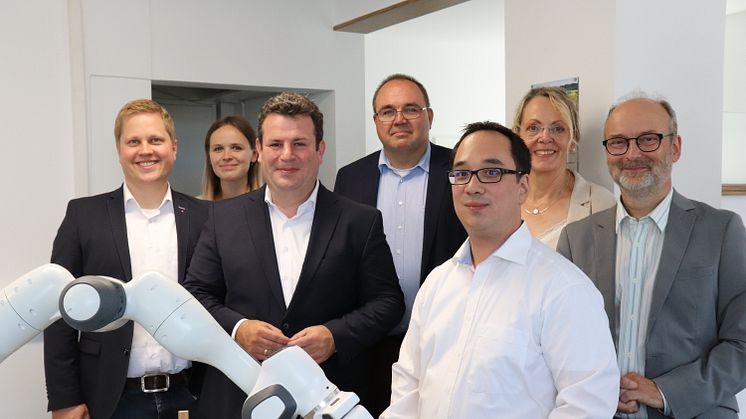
x=151 y=237
x=638 y=252
x=291 y=236
x=402 y=195
x=521 y=335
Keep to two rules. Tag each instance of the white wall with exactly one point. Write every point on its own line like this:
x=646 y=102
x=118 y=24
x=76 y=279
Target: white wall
x=734 y=109
x=551 y=40
x=456 y=53
x=36 y=176
x=734 y=99
x=686 y=66
x=232 y=43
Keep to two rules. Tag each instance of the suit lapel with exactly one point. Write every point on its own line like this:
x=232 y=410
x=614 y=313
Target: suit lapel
x=604 y=270
x=260 y=232
x=437 y=185
x=118 y=224
x=181 y=215
x=369 y=179
x=678 y=231
x=325 y=220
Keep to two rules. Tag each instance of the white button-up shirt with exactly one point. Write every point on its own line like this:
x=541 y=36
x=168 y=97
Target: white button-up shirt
x=522 y=335
x=291 y=237
x=151 y=237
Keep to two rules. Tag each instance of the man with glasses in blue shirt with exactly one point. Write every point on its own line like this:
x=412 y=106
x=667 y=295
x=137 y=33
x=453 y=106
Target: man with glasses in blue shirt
x=672 y=272
x=506 y=328
x=406 y=181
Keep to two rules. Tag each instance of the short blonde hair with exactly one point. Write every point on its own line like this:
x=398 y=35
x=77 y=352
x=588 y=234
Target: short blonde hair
x=143 y=106
x=561 y=101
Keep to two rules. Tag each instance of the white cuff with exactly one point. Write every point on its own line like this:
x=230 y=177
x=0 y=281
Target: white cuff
x=235 y=329
x=666 y=408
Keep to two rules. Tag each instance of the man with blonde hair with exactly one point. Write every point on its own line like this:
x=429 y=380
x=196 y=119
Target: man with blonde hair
x=143 y=225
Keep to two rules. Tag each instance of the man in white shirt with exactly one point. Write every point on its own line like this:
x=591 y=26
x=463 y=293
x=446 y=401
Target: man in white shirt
x=506 y=328
x=142 y=226
x=672 y=272
x=293 y=263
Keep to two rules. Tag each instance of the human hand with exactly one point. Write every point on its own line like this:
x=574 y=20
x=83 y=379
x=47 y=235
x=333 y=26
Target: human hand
x=74 y=412
x=260 y=339
x=635 y=390
x=317 y=341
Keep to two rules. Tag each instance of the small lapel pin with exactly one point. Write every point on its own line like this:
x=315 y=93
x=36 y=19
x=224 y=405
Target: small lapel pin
x=182 y=209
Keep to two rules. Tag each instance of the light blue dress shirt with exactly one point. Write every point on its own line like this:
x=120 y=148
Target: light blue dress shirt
x=401 y=200
x=638 y=253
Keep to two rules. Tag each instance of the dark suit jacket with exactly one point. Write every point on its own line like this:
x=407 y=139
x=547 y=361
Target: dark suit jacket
x=696 y=342
x=91 y=368
x=443 y=232
x=347 y=283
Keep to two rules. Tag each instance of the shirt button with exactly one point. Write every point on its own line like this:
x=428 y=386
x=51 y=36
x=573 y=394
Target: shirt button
x=398 y=252
x=401 y=203
x=399 y=227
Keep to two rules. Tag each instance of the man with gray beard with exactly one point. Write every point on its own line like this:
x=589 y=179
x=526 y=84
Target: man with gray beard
x=672 y=272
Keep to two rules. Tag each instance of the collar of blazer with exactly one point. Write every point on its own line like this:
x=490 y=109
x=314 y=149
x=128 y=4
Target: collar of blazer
x=678 y=232
x=326 y=216
x=118 y=225
x=681 y=220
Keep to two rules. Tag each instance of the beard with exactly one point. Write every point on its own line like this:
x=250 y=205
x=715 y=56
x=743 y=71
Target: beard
x=646 y=184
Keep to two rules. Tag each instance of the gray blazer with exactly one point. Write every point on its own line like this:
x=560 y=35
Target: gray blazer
x=696 y=342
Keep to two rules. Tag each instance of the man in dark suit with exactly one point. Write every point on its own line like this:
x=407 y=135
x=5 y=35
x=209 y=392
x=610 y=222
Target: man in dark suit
x=407 y=182
x=672 y=272
x=293 y=263
x=141 y=226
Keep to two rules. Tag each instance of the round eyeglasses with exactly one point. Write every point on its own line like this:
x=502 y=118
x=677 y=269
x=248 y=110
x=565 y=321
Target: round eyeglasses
x=486 y=175
x=534 y=130
x=408 y=112
x=616 y=146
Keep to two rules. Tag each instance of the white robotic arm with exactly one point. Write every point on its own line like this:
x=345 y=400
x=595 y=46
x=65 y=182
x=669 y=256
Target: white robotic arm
x=28 y=305
x=286 y=385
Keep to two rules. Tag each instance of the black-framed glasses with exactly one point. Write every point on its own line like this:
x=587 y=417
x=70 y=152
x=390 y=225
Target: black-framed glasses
x=486 y=175
x=408 y=112
x=616 y=146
